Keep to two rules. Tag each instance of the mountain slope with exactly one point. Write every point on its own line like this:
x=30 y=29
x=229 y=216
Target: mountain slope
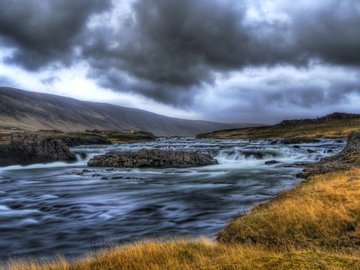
x=34 y=111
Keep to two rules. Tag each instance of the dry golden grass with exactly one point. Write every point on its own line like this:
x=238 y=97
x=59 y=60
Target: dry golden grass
x=201 y=254
x=331 y=129
x=323 y=212
x=314 y=226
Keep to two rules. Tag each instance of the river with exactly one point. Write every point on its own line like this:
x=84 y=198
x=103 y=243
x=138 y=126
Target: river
x=69 y=209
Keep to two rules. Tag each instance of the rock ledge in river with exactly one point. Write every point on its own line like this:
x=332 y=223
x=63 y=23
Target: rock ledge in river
x=152 y=158
x=33 y=148
x=346 y=159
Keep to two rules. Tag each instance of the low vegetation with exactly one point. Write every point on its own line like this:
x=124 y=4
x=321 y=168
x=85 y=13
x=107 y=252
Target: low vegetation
x=201 y=254
x=322 y=212
x=84 y=137
x=313 y=226
x=128 y=137
x=337 y=125
x=113 y=137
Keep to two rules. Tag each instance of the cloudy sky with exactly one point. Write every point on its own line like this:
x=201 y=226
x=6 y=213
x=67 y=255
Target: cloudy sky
x=223 y=60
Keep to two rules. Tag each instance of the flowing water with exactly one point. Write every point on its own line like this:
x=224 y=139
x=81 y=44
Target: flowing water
x=69 y=209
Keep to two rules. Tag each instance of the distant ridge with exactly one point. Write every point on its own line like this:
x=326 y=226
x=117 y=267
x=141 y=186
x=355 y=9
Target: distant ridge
x=35 y=111
x=328 y=118
x=335 y=125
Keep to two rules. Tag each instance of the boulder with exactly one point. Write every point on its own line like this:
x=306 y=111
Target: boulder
x=346 y=159
x=272 y=162
x=28 y=148
x=152 y=158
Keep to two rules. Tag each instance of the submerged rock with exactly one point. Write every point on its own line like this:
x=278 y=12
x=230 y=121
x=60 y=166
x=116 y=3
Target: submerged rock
x=346 y=159
x=30 y=148
x=152 y=158
x=300 y=140
x=272 y=162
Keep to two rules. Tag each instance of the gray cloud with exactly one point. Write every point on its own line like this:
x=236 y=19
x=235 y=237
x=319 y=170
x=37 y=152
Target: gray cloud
x=172 y=47
x=328 y=31
x=273 y=98
x=50 y=80
x=42 y=32
x=6 y=81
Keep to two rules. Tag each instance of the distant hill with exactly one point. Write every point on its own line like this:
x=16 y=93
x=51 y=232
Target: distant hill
x=34 y=111
x=336 y=125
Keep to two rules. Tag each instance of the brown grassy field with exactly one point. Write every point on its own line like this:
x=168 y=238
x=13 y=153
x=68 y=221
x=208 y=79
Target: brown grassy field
x=316 y=225
x=322 y=212
x=200 y=254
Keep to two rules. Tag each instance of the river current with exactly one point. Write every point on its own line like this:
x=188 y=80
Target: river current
x=69 y=209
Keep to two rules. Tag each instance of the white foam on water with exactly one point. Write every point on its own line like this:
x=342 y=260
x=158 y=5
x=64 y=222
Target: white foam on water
x=48 y=196
x=28 y=221
x=105 y=216
x=4 y=208
x=8 y=212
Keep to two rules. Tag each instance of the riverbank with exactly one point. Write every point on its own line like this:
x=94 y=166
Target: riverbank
x=44 y=146
x=316 y=225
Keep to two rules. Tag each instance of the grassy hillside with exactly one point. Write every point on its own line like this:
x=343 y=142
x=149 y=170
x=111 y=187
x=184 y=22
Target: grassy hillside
x=323 y=212
x=33 y=111
x=337 y=125
x=316 y=225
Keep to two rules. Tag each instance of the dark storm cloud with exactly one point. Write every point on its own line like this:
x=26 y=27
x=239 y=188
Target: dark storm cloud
x=171 y=47
x=329 y=31
x=41 y=32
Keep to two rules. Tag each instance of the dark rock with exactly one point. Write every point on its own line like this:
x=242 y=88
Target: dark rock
x=260 y=154
x=27 y=148
x=272 y=162
x=311 y=151
x=346 y=159
x=300 y=140
x=152 y=158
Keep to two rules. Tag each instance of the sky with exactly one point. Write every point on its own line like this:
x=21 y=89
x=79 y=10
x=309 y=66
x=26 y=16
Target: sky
x=223 y=60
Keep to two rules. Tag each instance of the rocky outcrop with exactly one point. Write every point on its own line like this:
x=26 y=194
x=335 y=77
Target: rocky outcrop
x=346 y=159
x=152 y=158
x=33 y=148
x=328 y=118
x=81 y=139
